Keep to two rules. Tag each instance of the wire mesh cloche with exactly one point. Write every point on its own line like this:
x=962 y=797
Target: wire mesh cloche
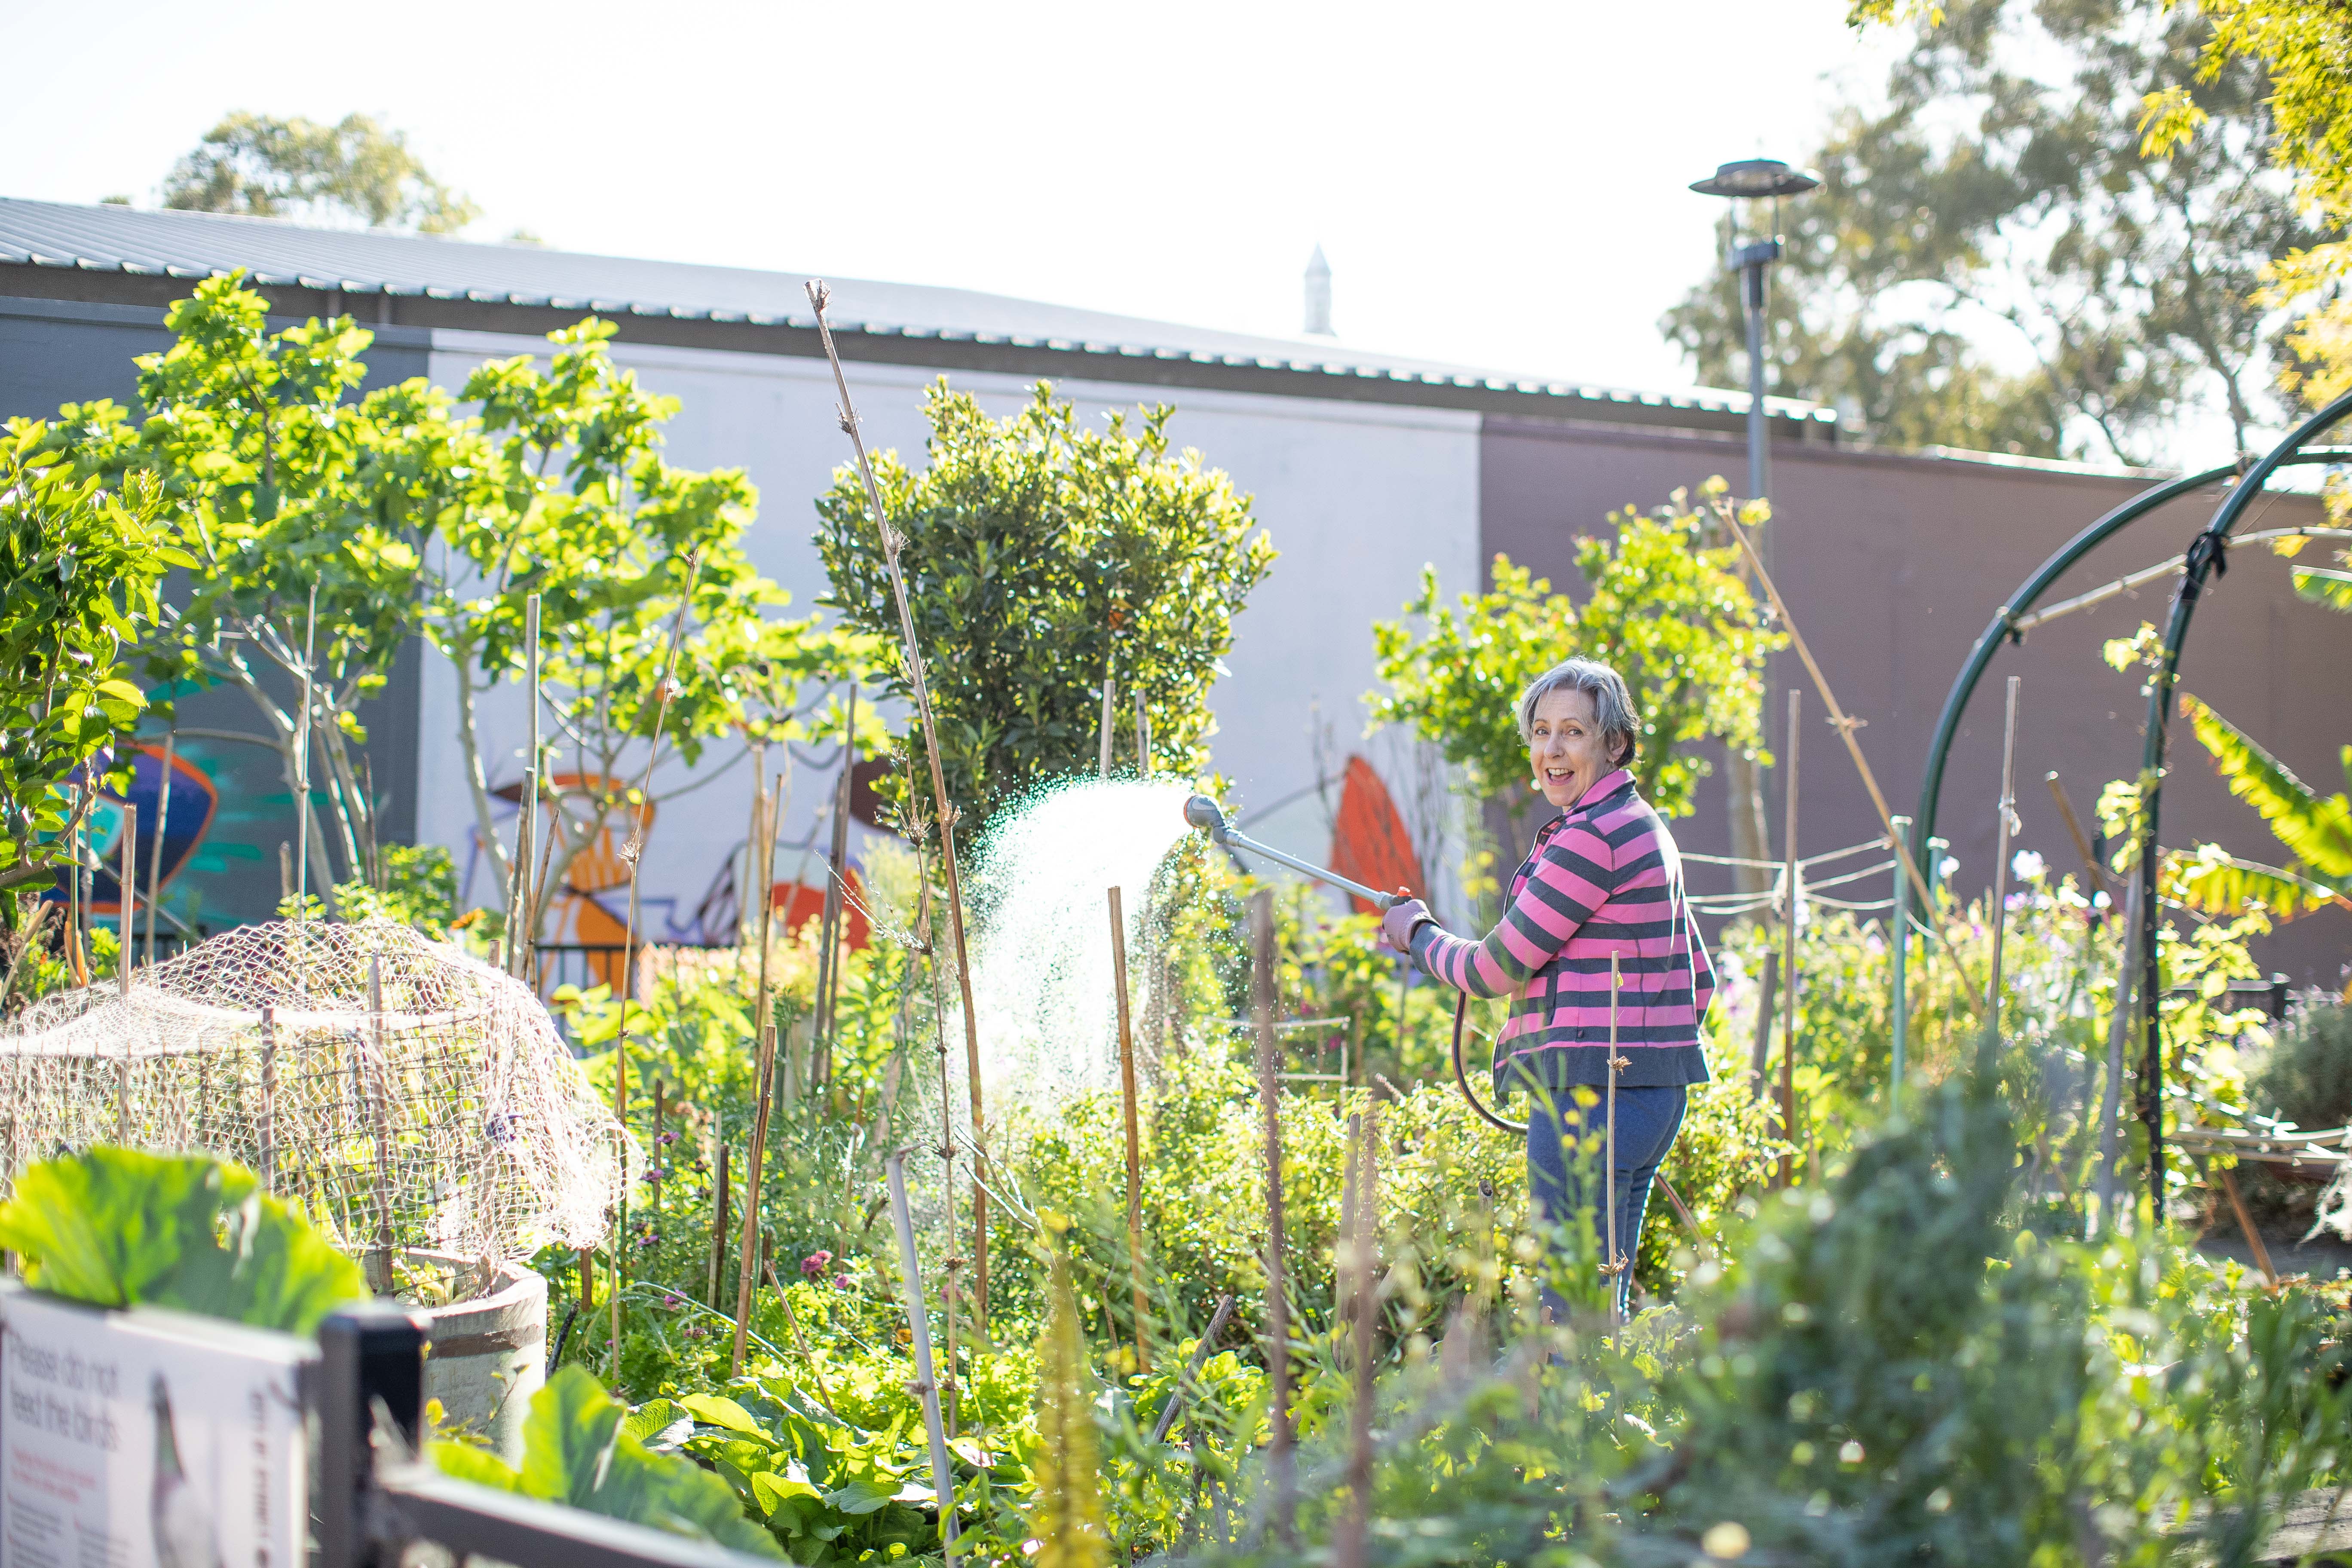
x=400 y=1092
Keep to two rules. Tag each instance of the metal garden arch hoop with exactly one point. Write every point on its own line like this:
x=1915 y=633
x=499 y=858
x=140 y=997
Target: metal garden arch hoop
x=2207 y=555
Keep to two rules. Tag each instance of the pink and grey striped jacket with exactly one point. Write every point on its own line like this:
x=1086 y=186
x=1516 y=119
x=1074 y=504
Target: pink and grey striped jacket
x=1603 y=877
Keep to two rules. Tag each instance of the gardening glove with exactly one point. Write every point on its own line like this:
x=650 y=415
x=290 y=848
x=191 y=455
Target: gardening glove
x=1398 y=924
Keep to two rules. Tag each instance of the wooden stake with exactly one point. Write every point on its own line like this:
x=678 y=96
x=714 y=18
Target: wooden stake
x=526 y=819
x=837 y=901
x=1845 y=727
x=661 y=1094
x=1142 y=735
x=1134 y=1143
x=1277 y=1297
x=1794 y=907
x=155 y=855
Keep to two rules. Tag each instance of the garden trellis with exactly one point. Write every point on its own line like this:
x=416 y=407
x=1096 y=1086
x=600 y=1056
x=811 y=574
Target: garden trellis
x=400 y=1093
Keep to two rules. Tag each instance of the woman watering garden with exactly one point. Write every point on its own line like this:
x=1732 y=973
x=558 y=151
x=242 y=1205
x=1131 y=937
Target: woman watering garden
x=1604 y=879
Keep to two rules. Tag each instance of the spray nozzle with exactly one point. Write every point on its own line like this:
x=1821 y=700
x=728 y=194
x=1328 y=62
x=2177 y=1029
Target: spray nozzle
x=1209 y=817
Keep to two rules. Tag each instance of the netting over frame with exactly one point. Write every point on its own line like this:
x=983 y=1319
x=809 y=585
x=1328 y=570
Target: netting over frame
x=454 y=1119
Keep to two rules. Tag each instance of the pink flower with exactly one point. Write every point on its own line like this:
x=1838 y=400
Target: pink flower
x=815 y=1263
x=841 y=1281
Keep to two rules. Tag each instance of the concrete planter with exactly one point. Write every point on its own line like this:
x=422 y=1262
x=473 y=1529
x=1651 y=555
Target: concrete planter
x=489 y=1355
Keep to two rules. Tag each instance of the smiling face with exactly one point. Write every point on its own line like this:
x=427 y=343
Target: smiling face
x=1566 y=748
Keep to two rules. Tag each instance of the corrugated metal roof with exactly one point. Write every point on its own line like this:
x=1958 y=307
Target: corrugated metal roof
x=365 y=261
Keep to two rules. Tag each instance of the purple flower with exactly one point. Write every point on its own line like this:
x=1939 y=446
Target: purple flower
x=669 y=1302
x=815 y=1263
x=841 y=1281
x=669 y=1137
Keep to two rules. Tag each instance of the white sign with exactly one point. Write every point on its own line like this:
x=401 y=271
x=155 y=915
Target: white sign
x=148 y=1439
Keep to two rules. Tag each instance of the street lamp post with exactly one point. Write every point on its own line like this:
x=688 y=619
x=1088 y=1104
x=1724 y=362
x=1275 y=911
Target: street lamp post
x=1749 y=180
x=1754 y=179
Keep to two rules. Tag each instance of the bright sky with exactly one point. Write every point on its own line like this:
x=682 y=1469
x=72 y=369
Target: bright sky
x=1495 y=184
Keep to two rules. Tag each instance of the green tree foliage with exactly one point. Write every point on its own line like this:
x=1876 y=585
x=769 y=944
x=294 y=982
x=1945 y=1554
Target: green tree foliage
x=354 y=171
x=1040 y=557
x=1997 y=207
x=116 y=1227
x=567 y=495
x=1667 y=607
x=81 y=561
x=284 y=487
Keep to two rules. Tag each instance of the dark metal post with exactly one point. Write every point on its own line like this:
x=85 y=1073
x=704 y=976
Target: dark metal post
x=1752 y=262
x=368 y=1351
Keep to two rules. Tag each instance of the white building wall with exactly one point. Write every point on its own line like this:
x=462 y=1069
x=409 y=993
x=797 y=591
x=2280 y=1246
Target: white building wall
x=1356 y=497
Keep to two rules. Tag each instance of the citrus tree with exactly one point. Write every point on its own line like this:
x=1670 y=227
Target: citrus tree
x=1041 y=558
x=1666 y=607
x=292 y=497
x=568 y=497
x=81 y=561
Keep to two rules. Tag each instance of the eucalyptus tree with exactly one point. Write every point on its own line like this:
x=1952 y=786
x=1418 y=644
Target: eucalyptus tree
x=356 y=169
x=2001 y=257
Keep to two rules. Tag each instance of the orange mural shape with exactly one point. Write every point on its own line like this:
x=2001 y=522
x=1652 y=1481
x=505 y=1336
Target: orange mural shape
x=1370 y=843
x=798 y=905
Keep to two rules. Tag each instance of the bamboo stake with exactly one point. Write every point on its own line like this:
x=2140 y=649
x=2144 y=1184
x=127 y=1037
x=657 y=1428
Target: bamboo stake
x=719 y=1230
x=837 y=911
x=302 y=768
x=2119 y=1022
x=155 y=856
x=2006 y=826
x=1768 y=991
x=1110 y=688
x=761 y=856
x=914 y=663
x=1616 y=1267
x=267 y=1119
x=633 y=851
x=926 y=1383
x=660 y=1174
x=2091 y=867
x=521 y=936
x=384 y=1193
x=1277 y=1299
x=1845 y=727
x=1793 y=909
x=126 y=900
x=1134 y=1142
x=1362 y=1201
x=2246 y=1223
x=1200 y=1353
x=746 y=1276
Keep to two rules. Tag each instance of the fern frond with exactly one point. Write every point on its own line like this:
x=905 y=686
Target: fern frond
x=2214 y=881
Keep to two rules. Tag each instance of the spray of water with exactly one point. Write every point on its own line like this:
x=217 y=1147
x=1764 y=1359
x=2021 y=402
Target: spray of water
x=1041 y=981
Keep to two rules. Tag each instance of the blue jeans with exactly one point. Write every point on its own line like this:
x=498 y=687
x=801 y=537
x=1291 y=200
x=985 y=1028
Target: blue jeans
x=1647 y=1120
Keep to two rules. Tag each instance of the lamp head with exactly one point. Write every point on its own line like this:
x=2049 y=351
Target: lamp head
x=1206 y=814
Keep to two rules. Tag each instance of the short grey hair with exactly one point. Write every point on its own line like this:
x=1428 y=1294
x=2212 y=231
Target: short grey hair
x=1613 y=703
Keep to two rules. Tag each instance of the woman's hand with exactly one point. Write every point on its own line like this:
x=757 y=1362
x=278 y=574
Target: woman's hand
x=1397 y=925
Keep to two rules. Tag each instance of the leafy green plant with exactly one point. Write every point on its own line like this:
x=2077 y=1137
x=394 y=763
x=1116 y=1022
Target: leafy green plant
x=81 y=561
x=1668 y=608
x=583 y=1448
x=1040 y=558
x=120 y=1227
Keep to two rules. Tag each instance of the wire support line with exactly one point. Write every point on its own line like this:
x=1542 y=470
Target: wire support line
x=1823 y=858
x=1878 y=870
